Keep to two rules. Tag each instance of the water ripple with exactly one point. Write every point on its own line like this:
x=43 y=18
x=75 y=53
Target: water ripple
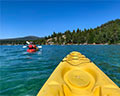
x=23 y=74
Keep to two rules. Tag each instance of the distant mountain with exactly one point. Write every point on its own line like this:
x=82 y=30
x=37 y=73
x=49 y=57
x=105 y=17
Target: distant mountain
x=107 y=33
x=20 y=40
x=23 y=38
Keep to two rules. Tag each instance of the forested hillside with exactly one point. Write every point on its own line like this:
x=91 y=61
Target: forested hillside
x=108 y=33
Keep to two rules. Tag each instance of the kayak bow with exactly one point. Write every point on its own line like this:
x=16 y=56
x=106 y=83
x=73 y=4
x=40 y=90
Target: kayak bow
x=76 y=75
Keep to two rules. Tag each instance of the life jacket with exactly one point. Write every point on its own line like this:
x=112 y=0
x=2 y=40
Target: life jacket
x=34 y=46
x=30 y=46
x=30 y=50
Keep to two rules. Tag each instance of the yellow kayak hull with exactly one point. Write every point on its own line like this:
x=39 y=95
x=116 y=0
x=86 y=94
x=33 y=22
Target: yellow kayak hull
x=76 y=75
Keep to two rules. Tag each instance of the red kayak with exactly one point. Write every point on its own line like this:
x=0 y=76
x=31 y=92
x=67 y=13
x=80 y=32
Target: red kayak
x=31 y=50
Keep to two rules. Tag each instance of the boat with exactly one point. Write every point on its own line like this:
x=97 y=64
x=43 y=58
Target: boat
x=76 y=75
x=32 y=50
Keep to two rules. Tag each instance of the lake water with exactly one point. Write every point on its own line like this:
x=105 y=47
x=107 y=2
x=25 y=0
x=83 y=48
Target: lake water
x=23 y=74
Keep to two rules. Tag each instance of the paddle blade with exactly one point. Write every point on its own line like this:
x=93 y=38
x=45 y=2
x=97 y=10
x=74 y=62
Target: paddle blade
x=27 y=42
x=39 y=46
x=24 y=46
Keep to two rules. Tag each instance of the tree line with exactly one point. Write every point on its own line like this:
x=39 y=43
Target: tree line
x=106 y=33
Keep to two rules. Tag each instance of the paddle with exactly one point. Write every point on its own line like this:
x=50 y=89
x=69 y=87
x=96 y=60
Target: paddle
x=24 y=46
x=29 y=43
x=39 y=46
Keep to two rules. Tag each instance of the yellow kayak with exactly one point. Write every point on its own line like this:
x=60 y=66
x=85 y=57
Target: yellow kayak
x=76 y=75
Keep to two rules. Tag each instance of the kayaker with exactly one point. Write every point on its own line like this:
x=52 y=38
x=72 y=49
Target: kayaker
x=30 y=46
x=31 y=49
x=34 y=47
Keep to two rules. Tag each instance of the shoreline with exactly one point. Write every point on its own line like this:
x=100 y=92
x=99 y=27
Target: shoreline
x=63 y=44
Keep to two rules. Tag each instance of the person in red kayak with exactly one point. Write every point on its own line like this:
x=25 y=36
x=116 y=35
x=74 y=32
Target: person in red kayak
x=34 y=47
x=31 y=48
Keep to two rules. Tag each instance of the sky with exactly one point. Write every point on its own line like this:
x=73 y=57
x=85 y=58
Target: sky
x=21 y=18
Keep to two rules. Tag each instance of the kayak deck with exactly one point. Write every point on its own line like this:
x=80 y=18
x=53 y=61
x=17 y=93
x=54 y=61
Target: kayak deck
x=76 y=75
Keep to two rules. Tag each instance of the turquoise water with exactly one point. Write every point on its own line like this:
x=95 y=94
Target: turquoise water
x=23 y=74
